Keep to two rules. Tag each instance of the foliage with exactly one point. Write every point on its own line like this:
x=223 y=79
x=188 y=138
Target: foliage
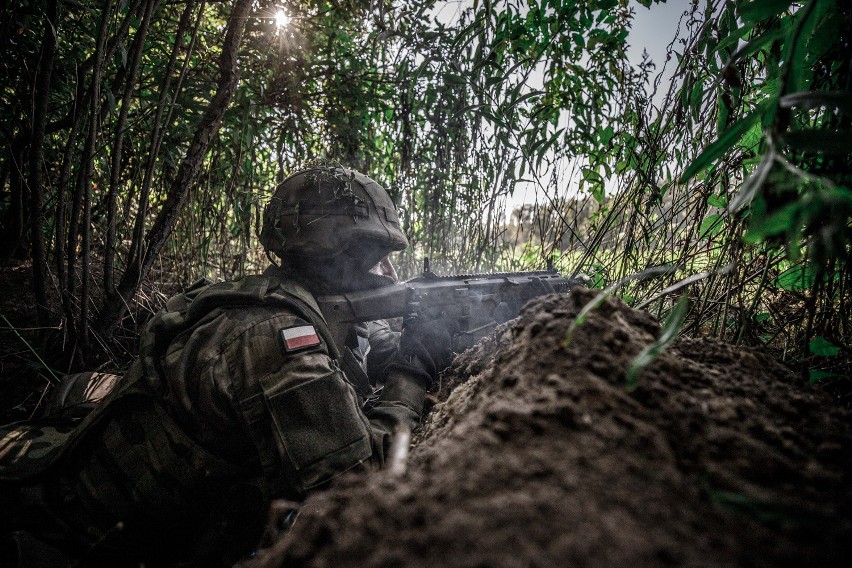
x=748 y=177
x=671 y=328
x=738 y=173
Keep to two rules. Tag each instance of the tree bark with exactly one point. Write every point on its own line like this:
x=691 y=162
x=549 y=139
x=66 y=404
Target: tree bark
x=41 y=90
x=60 y=256
x=12 y=245
x=188 y=171
x=118 y=145
x=137 y=244
x=85 y=182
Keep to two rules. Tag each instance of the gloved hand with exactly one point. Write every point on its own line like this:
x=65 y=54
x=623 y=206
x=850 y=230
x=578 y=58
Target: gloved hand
x=425 y=349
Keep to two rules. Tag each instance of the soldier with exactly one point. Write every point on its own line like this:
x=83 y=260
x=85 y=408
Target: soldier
x=241 y=394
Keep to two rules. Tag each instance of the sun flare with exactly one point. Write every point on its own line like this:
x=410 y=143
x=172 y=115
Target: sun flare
x=282 y=19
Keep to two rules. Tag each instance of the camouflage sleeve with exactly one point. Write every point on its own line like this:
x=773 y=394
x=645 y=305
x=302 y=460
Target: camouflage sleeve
x=315 y=417
x=312 y=411
x=401 y=402
x=384 y=343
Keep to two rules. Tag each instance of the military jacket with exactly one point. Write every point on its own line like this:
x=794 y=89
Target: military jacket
x=221 y=412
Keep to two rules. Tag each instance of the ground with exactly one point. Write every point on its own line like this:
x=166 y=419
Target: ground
x=23 y=379
x=32 y=357
x=537 y=454
x=540 y=456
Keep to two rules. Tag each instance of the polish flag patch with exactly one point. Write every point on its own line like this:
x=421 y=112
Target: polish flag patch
x=299 y=337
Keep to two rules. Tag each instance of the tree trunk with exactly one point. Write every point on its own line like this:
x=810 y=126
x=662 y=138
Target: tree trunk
x=41 y=90
x=189 y=169
x=12 y=243
x=118 y=145
x=137 y=245
x=60 y=255
x=85 y=180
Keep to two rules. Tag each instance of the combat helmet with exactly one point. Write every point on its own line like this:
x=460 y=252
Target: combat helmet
x=322 y=212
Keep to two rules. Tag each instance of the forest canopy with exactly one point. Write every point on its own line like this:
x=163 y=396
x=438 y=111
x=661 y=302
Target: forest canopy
x=141 y=138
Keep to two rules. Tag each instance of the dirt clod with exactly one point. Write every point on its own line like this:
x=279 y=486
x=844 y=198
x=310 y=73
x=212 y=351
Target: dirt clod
x=540 y=456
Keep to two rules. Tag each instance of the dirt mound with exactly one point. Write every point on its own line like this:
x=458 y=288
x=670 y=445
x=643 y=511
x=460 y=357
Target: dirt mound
x=541 y=457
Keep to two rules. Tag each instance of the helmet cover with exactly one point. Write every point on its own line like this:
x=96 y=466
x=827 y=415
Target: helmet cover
x=322 y=212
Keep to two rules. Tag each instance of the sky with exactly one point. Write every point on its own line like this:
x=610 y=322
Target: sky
x=653 y=30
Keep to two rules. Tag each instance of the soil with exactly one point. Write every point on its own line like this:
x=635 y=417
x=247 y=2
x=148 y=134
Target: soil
x=538 y=455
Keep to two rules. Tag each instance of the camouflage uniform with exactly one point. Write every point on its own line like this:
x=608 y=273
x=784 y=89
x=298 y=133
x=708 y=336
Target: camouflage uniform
x=216 y=417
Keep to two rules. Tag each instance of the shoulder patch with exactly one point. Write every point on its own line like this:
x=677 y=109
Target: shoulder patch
x=299 y=337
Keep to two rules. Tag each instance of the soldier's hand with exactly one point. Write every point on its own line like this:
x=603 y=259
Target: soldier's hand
x=425 y=348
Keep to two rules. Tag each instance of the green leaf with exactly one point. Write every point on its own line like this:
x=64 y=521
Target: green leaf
x=807 y=19
x=718 y=148
x=815 y=375
x=756 y=44
x=598 y=192
x=779 y=222
x=771 y=87
x=821 y=347
x=590 y=175
x=753 y=136
x=722 y=115
x=670 y=330
x=696 y=97
x=753 y=183
x=717 y=201
x=494 y=80
x=733 y=38
x=825 y=36
x=761 y=10
x=796 y=279
x=710 y=226
x=463 y=35
x=525 y=98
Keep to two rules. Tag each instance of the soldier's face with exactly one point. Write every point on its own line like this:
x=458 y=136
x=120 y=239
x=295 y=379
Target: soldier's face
x=345 y=272
x=385 y=268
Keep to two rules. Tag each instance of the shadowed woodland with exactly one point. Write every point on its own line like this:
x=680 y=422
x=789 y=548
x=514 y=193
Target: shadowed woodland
x=140 y=140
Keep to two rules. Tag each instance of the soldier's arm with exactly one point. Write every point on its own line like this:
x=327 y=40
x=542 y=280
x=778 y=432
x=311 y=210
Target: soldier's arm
x=314 y=415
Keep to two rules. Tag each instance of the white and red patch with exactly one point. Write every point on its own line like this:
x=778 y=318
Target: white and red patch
x=299 y=337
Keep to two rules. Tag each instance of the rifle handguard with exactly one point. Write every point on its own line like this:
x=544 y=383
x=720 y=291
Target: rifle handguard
x=476 y=303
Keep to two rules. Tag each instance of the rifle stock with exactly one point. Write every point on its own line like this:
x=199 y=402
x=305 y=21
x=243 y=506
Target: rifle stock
x=477 y=302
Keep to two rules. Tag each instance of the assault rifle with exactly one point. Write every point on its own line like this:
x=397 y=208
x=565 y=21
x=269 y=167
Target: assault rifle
x=477 y=302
